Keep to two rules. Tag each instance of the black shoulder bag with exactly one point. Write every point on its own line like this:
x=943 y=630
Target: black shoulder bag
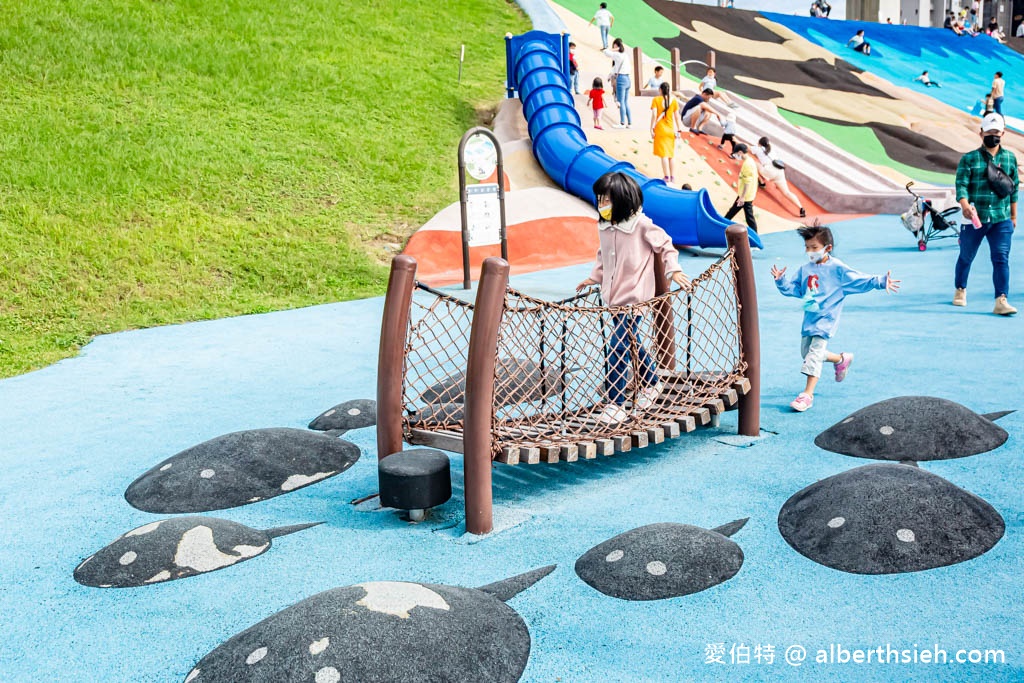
x=1000 y=183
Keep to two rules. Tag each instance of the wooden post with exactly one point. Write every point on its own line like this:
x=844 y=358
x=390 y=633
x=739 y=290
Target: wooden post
x=750 y=337
x=479 y=411
x=638 y=66
x=394 y=329
x=664 y=323
x=710 y=59
x=675 y=68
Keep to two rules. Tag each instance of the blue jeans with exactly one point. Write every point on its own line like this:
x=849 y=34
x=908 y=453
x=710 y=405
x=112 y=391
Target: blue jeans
x=574 y=82
x=624 y=336
x=997 y=105
x=622 y=97
x=604 y=36
x=999 y=236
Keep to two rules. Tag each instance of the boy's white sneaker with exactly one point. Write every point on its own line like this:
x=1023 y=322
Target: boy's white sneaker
x=613 y=413
x=960 y=297
x=648 y=396
x=1003 y=307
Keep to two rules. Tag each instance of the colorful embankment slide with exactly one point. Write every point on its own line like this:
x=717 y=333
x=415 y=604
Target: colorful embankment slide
x=536 y=70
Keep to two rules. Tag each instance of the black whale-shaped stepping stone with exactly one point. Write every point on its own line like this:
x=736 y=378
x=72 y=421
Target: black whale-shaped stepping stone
x=174 y=549
x=888 y=518
x=660 y=561
x=341 y=418
x=240 y=468
x=917 y=428
x=515 y=381
x=383 y=632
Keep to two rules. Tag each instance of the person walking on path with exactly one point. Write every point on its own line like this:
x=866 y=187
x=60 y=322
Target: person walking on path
x=630 y=245
x=595 y=98
x=823 y=283
x=998 y=86
x=986 y=188
x=621 y=66
x=604 y=20
x=746 y=189
x=773 y=170
x=665 y=125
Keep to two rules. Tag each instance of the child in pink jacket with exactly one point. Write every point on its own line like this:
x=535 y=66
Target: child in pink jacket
x=630 y=244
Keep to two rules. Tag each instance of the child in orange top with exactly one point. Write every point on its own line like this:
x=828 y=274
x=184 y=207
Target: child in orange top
x=595 y=98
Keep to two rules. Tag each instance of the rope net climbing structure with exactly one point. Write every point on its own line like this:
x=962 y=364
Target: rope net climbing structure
x=670 y=363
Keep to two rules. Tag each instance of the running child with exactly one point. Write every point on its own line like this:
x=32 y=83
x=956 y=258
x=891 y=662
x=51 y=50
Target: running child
x=595 y=99
x=630 y=245
x=823 y=284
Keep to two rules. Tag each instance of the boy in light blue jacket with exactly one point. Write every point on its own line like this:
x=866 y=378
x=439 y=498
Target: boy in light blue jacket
x=823 y=284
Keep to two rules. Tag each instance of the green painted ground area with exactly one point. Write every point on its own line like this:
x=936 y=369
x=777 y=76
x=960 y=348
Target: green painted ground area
x=181 y=160
x=861 y=141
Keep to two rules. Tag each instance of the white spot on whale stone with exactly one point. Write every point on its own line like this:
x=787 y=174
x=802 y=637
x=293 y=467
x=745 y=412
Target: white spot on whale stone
x=249 y=550
x=207 y=474
x=144 y=529
x=192 y=676
x=836 y=522
x=886 y=430
x=328 y=674
x=127 y=558
x=196 y=550
x=330 y=412
x=86 y=560
x=298 y=480
x=614 y=556
x=656 y=568
x=906 y=535
x=398 y=597
x=318 y=646
x=354 y=411
x=166 y=467
x=847 y=421
x=256 y=655
x=159 y=576
x=105 y=585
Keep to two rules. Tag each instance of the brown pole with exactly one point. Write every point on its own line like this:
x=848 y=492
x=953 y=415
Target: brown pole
x=710 y=59
x=479 y=411
x=675 y=68
x=638 y=65
x=750 y=337
x=394 y=329
x=664 y=329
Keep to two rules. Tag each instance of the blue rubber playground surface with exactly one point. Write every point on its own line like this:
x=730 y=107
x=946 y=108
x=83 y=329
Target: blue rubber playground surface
x=76 y=434
x=962 y=65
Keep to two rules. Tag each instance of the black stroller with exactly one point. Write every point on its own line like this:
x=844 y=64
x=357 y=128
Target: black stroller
x=927 y=223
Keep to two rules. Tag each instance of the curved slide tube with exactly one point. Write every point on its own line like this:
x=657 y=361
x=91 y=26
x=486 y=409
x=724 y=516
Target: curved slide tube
x=537 y=70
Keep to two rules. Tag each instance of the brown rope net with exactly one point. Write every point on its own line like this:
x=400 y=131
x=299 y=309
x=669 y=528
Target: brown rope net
x=562 y=364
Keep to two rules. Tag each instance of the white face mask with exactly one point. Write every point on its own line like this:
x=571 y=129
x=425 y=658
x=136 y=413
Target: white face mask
x=816 y=256
x=605 y=211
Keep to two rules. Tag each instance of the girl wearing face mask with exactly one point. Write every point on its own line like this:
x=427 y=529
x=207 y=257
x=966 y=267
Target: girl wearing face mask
x=630 y=245
x=823 y=284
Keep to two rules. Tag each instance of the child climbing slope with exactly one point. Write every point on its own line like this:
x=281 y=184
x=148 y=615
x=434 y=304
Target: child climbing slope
x=630 y=244
x=823 y=284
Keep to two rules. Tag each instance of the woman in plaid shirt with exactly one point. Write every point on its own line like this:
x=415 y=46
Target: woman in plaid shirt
x=997 y=215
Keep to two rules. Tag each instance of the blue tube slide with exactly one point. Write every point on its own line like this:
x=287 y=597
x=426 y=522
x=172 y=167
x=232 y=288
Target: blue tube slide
x=537 y=70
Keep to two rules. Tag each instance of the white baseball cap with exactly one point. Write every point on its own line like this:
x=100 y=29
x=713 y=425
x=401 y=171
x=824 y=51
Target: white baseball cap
x=992 y=121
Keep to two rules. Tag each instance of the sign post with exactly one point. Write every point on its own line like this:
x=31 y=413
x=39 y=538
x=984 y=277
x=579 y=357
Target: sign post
x=482 y=205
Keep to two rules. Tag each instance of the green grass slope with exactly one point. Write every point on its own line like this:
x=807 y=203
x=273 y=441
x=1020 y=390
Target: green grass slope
x=183 y=159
